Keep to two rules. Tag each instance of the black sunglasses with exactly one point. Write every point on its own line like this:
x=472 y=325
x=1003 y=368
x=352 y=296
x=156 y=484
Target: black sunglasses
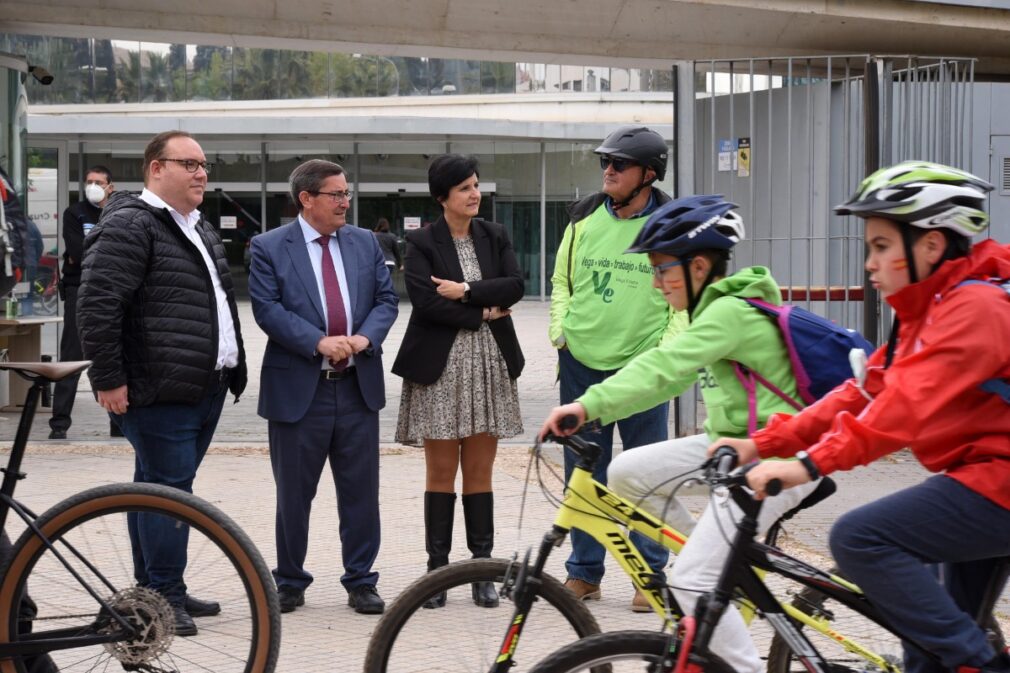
x=620 y=165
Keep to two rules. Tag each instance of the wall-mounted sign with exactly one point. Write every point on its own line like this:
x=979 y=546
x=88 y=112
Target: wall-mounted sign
x=411 y=223
x=743 y=157
x=725 y=150
x=229 y=222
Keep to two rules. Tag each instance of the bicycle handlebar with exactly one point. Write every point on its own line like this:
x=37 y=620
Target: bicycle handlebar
x=587 y=451
x=724 y=462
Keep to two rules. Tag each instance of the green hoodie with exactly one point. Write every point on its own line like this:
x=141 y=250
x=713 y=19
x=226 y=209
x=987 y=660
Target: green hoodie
x=723 y=329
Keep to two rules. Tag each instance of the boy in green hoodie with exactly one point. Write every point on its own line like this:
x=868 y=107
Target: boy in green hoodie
x=688 y=242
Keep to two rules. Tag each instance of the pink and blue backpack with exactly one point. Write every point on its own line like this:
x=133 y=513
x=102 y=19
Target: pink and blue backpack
x=818 y=351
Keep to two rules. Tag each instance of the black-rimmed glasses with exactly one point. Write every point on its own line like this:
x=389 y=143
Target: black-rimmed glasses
x=191 y=164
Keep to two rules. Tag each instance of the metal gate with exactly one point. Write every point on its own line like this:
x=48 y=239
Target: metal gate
x=789 y=138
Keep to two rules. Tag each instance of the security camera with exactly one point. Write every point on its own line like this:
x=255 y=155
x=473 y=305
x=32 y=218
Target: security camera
x=43 y=76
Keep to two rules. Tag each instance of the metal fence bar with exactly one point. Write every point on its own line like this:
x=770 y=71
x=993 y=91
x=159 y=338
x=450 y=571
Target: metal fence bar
x=810 y=179
x=753 y=140
x=827 y=188
x=711 y=105
x=789 y=157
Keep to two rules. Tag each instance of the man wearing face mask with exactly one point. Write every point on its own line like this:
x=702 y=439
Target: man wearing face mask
x=78 y=220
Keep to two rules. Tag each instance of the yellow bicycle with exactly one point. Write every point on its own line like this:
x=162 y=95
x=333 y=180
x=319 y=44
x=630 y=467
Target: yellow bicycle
x=463 y=637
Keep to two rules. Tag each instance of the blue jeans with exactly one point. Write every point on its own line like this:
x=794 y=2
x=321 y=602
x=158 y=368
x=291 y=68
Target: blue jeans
x=648 y=427
x=887 y=548
x=169 y=442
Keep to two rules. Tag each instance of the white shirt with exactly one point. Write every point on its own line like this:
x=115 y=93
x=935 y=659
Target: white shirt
x=316 y=257
x=227 y=344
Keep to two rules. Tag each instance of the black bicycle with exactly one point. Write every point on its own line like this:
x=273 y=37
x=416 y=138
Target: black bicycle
x=799 y=646
x=69 y=597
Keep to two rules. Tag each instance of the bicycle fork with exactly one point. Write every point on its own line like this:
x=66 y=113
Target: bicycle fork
x=523 y=597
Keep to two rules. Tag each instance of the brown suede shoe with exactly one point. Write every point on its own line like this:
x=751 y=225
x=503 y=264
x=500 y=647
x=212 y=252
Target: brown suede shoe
x=640 y=603
x=583 y=590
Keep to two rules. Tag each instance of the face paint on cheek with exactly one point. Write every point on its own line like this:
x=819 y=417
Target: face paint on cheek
x=675 y=285
x=899 y=264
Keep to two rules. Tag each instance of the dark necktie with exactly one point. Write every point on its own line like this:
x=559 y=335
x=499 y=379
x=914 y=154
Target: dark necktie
x=336 y=317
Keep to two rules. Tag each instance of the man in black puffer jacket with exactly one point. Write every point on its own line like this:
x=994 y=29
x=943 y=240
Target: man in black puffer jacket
x=157 y=316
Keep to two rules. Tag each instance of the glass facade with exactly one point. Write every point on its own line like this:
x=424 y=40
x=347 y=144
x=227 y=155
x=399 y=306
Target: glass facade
x=94 y=70
x=527 y=183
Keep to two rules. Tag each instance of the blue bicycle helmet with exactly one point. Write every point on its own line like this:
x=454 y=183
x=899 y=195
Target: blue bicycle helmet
x=686 y=225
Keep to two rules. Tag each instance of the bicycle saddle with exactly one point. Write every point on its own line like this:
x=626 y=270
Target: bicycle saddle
x=53 y=371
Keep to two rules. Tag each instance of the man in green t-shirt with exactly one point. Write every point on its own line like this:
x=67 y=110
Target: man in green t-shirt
x=604 y=313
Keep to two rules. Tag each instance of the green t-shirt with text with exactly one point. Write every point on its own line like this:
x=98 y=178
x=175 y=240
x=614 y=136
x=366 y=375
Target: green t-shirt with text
x=613 y=313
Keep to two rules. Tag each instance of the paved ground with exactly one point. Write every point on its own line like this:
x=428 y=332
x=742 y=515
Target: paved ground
x=326 y=635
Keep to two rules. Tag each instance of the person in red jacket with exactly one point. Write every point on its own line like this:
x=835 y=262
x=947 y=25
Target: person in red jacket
x=923 y=390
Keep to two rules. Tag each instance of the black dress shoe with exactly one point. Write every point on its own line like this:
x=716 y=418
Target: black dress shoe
x=290 y=598
x=484 y=594
x=365 y=600
x=197 y=608
x=57 y=434
x=184 y=624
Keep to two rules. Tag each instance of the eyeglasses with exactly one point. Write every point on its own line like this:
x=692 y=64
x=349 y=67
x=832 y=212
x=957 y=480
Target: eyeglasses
x=659 y=269
x=620 y=165
x=337 y=196
x=192 y=164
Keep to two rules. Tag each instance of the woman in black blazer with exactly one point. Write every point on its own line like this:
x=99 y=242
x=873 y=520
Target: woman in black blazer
x=459 y=359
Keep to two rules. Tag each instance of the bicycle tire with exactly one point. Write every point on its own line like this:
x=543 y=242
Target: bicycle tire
x=617 y=652
x=222 y=560
x=845 y=621
x=467 y=638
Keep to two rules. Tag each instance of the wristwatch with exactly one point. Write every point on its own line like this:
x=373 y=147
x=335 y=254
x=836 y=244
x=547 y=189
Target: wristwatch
x=466 y=293
x=808 y=463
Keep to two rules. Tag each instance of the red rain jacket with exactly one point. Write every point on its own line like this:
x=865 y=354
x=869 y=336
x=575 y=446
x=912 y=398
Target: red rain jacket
x=951 y=340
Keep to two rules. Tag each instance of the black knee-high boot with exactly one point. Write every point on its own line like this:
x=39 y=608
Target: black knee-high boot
x=478 y=514
x=439 y=511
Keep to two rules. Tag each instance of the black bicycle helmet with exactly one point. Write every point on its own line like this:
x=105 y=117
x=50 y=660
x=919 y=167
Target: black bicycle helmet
x=639 y=144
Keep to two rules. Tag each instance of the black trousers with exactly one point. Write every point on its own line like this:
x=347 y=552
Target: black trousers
x=70 y=350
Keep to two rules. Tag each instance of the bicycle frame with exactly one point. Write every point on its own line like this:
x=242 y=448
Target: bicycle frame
x=741 y=573
x=601 y=513
x=57 y=639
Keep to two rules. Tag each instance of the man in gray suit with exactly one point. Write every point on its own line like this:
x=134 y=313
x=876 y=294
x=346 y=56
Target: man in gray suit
x=322 y=293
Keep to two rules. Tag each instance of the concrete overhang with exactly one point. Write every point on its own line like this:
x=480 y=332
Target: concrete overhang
x=648 y=33
x=562 y=117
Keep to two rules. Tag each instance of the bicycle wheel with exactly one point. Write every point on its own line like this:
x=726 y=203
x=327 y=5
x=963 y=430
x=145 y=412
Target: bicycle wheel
x=463 y=638
x=223 y=566
x=617 y=652
x=846 y=622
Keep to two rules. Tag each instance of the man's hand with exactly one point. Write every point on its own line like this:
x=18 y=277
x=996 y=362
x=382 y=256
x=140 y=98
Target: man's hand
x=448 y=288
x=115 y=400
x=746 y=449
x=335 y=348
x=789 y=472
x=552 y=424
x=358 y=343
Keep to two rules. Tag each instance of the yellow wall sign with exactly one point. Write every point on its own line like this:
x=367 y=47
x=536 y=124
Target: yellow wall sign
x=743 y=157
